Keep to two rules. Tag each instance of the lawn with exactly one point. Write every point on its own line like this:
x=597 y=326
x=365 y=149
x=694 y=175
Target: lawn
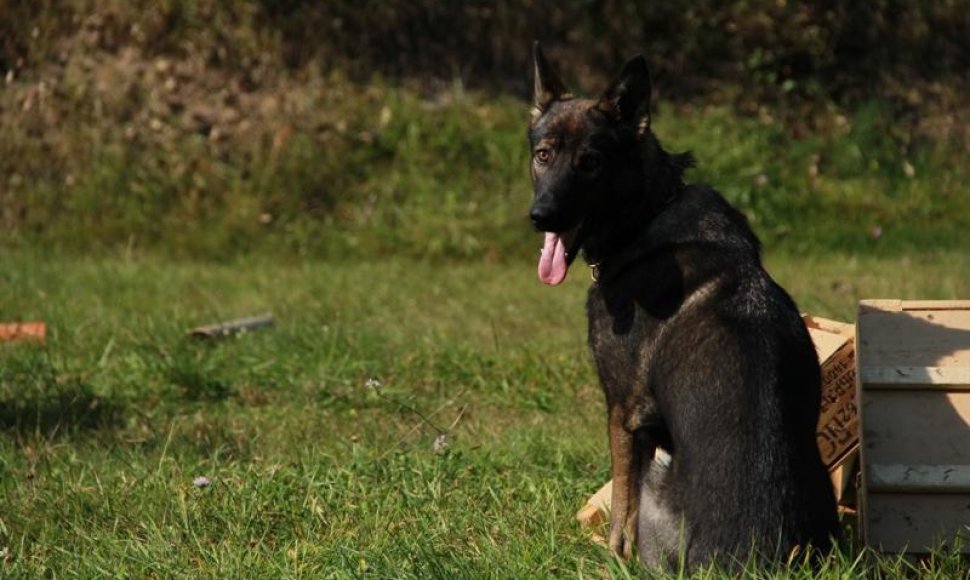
x=317 y=437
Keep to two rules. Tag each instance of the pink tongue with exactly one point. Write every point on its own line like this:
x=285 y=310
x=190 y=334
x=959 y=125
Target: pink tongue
x=552 y=262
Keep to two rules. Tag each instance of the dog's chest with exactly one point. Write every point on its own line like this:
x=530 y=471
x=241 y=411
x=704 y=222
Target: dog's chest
x=622 y=339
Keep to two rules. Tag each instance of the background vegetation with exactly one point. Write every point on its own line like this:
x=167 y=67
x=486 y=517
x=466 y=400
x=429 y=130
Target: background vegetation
x=214 y=128
x=423 y=407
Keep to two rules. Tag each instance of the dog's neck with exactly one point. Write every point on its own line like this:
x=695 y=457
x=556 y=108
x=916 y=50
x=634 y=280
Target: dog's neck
x=637 y=199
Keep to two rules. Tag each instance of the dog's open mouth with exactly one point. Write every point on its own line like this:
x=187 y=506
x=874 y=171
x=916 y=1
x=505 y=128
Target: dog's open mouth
x=558 y=252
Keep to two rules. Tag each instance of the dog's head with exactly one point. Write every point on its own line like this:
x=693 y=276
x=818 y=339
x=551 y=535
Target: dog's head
x=580 y=148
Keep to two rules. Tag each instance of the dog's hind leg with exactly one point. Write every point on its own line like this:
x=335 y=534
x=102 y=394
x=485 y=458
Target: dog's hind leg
x=629 y=452
x=660 y=534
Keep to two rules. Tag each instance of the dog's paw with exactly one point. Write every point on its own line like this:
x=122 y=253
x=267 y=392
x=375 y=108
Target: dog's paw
x=622 y=542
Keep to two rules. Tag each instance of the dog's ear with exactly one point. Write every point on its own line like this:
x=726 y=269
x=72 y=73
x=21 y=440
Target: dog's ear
x=548 y=86
x=628 y=98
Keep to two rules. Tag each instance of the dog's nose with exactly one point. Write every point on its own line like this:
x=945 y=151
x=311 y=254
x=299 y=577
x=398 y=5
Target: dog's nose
x=540 y=215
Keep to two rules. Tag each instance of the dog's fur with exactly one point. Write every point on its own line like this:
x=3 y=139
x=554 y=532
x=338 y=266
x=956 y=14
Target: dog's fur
x=711 y=379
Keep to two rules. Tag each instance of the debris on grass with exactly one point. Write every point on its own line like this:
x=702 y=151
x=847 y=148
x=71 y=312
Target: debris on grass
x=232 y=327
x=23 y=331
x=440 y=443
x=201 y=482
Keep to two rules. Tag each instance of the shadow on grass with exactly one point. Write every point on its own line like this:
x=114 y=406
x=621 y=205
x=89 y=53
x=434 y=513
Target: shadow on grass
x=194 y=372
x=35 y=401
x=198 y=385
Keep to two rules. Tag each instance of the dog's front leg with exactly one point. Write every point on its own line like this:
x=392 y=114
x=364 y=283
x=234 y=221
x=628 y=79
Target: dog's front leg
x=626 y=458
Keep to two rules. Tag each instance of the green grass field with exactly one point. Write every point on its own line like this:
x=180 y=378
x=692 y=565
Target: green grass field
x=313 y=472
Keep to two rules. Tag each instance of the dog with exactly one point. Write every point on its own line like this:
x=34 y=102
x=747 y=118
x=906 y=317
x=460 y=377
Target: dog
x=712 y=382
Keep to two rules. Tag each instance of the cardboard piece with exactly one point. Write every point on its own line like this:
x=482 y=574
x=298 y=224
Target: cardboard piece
x=838 y=423
x=597 y=508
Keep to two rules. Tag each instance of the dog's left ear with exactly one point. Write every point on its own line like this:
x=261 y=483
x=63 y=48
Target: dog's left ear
x=628 y=98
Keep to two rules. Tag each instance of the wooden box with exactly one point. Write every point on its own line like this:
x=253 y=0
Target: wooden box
x=914 y=395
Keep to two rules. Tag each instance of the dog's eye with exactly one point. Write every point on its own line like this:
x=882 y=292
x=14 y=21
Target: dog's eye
x=543 y=156
x=590 y=162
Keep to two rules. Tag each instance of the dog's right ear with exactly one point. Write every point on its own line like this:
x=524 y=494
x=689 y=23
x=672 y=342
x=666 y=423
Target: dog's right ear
x=548 y=86
x=628 y=98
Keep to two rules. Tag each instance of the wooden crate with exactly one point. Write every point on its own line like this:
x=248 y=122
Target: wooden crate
x=914 y=394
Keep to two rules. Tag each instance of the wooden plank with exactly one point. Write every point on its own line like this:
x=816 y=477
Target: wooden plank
x=916 y=427
x=936 y=304
x=826 y=343
x=917 y=522
x=909 y=377
x=231 y=327
x=919 y=478
x=923 y=338
x=829 y=325
x=886 y=305
x=844 y=479
x=866 y=308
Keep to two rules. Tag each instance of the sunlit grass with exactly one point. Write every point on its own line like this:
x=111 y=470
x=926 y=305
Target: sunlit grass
x=313 y=473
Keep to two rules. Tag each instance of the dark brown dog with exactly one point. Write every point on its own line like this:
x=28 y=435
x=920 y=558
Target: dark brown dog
x=711 y=380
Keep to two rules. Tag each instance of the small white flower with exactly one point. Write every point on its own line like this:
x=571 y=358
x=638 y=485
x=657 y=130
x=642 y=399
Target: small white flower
x=440 y=443
x=201 y=481
x=373 y=383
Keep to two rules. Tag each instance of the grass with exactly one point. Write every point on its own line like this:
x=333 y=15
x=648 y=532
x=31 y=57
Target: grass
x=313 y=473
